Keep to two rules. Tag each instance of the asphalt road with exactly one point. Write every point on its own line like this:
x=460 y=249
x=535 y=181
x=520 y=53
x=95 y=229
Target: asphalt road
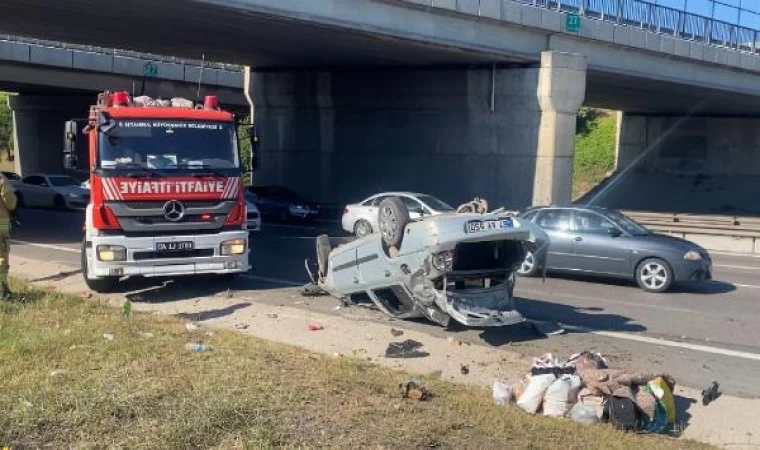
x=698 y=333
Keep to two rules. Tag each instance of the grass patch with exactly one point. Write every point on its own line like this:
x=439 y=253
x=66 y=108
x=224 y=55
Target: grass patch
x=64 y=385
x=594 y=151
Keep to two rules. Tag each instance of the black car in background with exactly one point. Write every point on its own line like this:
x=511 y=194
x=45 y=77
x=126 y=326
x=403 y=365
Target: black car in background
x=282 y=204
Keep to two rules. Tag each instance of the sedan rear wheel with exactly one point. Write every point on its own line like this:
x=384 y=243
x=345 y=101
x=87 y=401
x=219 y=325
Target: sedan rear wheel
x=654 y=275
x=362 y=228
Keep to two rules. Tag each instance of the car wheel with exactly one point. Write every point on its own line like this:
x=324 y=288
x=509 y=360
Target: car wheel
x=393 y=218
x=59 y=202
x=654 y=275
x=362 y=228
x=20 y=200
x=100 y=285
x=323 y=254
x=529 y=267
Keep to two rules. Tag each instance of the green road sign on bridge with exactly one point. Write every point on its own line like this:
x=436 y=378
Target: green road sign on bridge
x=573 y=23
x=150 y=70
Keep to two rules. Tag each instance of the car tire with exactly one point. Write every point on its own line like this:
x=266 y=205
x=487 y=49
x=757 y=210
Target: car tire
x=59 y=202
x=99 y=285
x=323 y=254
x=393 y=216
x=362 y=228
x=654 y=275
x=529 y=267
x=20 y=200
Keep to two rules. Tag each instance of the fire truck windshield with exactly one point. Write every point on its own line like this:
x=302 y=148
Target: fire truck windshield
x=168 y=145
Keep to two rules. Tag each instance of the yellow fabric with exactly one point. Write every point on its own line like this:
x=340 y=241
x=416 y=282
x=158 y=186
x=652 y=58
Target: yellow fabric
x=661 y=390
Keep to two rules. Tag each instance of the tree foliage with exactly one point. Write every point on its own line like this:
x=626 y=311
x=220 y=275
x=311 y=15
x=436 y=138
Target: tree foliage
x=6 y=125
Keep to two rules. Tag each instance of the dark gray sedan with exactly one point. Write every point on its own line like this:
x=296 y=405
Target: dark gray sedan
x=605 y=242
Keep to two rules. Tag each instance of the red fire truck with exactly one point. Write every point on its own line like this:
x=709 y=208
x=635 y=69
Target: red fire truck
x=166 y=190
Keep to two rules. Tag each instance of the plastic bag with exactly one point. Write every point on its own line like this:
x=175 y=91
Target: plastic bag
x=562 y=395
x=531 y=399
x=502 y=393
x=583 y=413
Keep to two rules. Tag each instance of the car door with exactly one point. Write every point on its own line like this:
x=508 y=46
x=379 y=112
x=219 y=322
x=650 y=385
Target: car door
x=599 y=245
x=34 y=189
x=557 y=223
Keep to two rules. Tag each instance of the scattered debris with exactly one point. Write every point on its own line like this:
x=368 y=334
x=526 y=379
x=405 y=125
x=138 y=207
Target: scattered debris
x=464 y=369
x=337 y=355
x=57 y=373
x=85 y=295
x=229 y=294
x=108 y=336
x=272 y=315
x=396 y=333
x=338 y=308
x=405 y=349
x=413 y=389
x=146 y=335
x=454 y=342
x=196 y=347
x=312 y=290
x=502 y=393
x=209 y=333
x=711 y=393
x=300 y=302
x=547 y=328
x=242 y=326
x=191 y=326
x=316 y=327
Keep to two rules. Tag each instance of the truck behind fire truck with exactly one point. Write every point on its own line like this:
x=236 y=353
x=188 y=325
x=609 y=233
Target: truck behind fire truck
x=166 y=190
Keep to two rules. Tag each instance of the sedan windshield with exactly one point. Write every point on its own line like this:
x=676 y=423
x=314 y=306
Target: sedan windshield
x=61 y=181
x=435 y=203
x=164 y=144
x=627 y=224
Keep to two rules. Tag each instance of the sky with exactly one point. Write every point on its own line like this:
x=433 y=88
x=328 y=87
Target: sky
x=725 y=10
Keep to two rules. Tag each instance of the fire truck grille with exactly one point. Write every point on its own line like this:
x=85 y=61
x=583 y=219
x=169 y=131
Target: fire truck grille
x=160 y=204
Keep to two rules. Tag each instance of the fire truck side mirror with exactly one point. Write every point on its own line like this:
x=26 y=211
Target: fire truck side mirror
x=70 y=145
x=255 y=154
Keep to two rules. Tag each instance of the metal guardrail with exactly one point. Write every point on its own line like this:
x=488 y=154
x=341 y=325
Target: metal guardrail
x=716 y=225
x=659 y=19
x=122 y=53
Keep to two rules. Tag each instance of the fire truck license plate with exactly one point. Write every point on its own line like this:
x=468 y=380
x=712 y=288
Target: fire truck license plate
x=178 y=246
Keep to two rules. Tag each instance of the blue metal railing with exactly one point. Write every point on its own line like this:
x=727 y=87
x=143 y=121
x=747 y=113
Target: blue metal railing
x=659 y=19
x=645 y=15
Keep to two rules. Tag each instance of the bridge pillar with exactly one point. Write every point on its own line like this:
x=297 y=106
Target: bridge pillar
x=38 y=122
x=561 y=91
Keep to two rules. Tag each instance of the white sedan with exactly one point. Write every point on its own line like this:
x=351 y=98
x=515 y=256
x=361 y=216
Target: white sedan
x=57 y=191
x=361 y=218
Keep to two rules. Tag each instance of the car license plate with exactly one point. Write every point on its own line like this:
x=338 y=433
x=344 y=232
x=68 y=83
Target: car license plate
x=478 y=226
x=178 y=246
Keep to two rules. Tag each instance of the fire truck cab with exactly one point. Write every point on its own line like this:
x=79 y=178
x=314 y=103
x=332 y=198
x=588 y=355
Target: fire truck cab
x=166 y=190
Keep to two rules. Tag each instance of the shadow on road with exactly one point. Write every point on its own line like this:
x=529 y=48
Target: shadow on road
x=213 y=313
x=683 y=404
x=592 y=317
x=704 y=288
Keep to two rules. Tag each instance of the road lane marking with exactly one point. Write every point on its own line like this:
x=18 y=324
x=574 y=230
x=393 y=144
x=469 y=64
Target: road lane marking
x=741 y=255
x=729 y=266
x=273 y=280
x=292 y=227
x=666 y=343
x=47 y=246
x=750 y=286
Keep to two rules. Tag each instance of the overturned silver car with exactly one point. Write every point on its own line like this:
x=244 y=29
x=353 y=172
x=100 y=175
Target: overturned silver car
x=457 y=265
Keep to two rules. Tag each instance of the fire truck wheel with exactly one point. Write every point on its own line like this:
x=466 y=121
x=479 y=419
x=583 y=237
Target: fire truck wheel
x=100 y=285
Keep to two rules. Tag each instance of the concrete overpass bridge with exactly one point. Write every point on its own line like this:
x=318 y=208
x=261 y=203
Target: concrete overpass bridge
x=457 y=97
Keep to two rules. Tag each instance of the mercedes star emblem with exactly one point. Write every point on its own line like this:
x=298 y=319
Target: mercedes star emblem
x=174 y=210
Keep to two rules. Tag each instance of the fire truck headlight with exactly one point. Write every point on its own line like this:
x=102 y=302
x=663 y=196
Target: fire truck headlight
x=110 y=253
x=233 y=247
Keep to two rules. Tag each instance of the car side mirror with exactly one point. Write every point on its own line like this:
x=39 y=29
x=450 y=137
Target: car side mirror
x=614 y=232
